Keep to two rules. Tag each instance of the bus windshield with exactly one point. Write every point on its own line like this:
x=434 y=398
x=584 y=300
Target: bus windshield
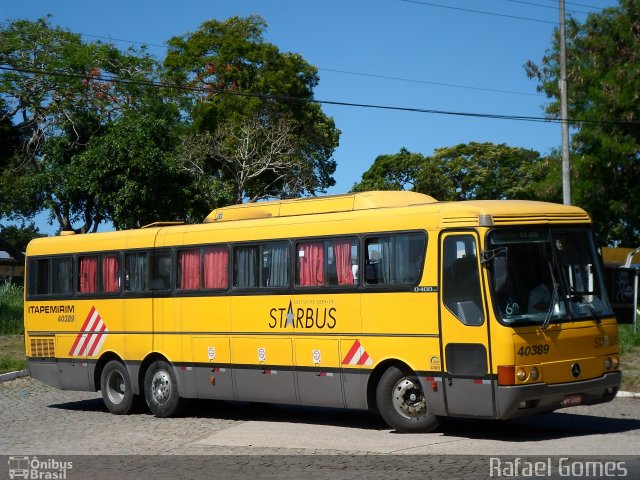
x=545 y=275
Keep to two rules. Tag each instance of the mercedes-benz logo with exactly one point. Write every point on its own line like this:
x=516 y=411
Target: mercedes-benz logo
x=575 y=370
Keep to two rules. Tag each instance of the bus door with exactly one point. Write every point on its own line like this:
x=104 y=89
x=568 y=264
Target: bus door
x=464 y=328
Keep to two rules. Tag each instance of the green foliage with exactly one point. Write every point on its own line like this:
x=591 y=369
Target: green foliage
x=88 y=148
x=131 y=171
x=235 y=71
x=61 y=115
x=628 y=339
x=11 y=309
x=10 y=364
x=464 y=172
x=19 y=237
x=603 y=74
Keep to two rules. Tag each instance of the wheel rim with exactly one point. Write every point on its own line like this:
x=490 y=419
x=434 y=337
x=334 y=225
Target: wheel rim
x=161 y=386
x=408 y=399
x=116 y=387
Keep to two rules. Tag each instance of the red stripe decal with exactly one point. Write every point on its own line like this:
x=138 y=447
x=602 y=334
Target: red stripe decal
x=363 y=358
x=85 y=344
x=97 y=342
x=84 y=325
x=352 y=352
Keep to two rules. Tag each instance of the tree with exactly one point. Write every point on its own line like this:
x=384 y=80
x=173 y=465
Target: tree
x=464 y=172
x=603 y=74
x=233 y=76
x=59 y=95
x=10 y=141
x=131 y=171
x=260 y=157
x=19 y=237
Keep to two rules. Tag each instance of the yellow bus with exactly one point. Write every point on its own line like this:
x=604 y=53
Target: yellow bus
x=389 y=301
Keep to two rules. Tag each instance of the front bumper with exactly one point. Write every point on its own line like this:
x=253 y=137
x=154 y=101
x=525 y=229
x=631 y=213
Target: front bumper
x=524 y=400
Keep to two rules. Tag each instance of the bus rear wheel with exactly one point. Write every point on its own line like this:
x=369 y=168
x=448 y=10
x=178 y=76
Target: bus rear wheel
x=115 y=385
x=402 y=403
x=161 y=390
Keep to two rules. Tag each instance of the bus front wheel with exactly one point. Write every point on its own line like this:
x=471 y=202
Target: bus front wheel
x=161 y=390
x=402 y=403
x=115 y=385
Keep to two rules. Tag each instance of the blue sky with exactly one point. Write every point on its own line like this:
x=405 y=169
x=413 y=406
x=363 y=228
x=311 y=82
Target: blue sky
x=442 y=55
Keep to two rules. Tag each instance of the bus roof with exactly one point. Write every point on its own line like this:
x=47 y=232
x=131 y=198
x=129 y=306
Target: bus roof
x=315 y=205
x=375 y=211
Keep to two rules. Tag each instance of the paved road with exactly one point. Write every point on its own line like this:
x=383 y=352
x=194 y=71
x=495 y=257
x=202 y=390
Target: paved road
x=38 y=420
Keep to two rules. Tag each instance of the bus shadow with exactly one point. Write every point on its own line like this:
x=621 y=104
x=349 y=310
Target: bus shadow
x=89 y=405
x=539 y=428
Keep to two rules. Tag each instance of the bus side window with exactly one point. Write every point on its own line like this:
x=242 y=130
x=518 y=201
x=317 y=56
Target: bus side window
x=136 y=269
x=265 y=265
x=246 y=265
x=461 y=279
x=38 y=276
x=189 y=269
x=310 y=268
x=88 y=274
x=275 y=258
x=394 y=259
x=110 y=273
x=160 y=271
x=342 y=256
x=216 y=267
x=61 y=275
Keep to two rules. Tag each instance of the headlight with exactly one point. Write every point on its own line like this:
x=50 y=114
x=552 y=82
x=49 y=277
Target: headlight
x=607 y=363
x=534 y=373
x=521 y=374
x=615 y=362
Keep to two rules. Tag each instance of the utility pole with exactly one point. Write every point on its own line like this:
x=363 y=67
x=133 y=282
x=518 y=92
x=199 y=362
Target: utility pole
x=564 y=112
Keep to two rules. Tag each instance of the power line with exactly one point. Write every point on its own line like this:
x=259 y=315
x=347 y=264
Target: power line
x=425 y=82
x=286 y=98
x=112 y=39
x=522 y=2
x=482 y=12
x=345 y=72
x=578 y=4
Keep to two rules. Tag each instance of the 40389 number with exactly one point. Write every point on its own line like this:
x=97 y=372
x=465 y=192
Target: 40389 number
x=534 y=350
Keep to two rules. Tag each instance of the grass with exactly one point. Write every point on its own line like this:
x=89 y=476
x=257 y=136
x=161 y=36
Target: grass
x=11 y=305
x=630 y=358
x=12 y=356
x=12 y=353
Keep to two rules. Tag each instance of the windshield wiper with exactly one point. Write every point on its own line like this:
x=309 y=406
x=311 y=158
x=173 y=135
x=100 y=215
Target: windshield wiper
x=554 y=299
x=489 y=255
x=574 y=296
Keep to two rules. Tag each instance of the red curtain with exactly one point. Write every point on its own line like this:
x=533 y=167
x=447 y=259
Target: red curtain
x=189 y=262
x=216 y=272
x=342 y=249
x=88 y=274
x=110 y=273
x=310 y=264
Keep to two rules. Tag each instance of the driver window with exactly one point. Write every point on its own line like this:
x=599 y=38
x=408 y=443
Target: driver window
x=461 y=279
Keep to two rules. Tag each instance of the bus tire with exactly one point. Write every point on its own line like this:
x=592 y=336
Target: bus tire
x=161 y=390
x=115 y=385
x=402 y=403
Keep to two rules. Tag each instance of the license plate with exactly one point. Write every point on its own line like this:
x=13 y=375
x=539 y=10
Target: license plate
x=571 y=400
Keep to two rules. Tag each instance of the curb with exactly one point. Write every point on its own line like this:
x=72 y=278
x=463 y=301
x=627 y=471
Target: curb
x=622 y=394
x=6 y=377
